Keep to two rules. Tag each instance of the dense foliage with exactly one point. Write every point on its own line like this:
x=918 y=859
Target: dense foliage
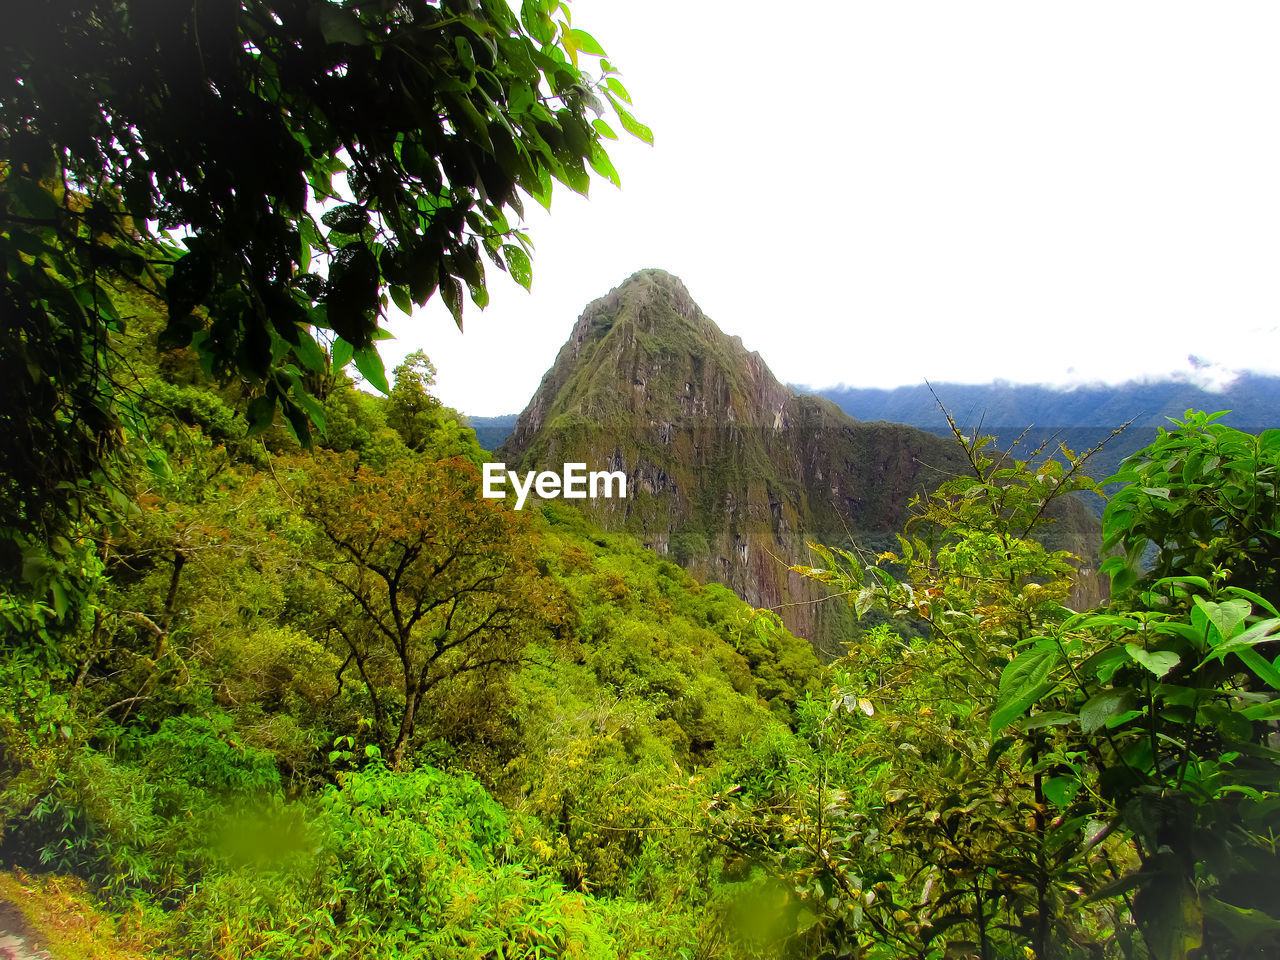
x=274 y=171
x=305 y=704
x=1029 y=780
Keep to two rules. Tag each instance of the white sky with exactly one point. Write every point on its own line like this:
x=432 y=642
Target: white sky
x=873 y=193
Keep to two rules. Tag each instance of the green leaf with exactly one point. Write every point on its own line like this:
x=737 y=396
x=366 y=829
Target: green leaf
x=1050 y=718
x=400 y=297
x=1224 y=616
x=60 y=602
x=615 y=86
x=864 y=601
x=341 y=355
x=519 y=265
x=1232 y=724
x=574 y=176
x=349 y=218
x=1184 y=631
x=1159 y=662
x=568 y=43
x=1104 y=663
x=369 y=363
x=1254 y=598
x=536 y=22
x=467 y=265
x=1262 y=711
x=466 y=56
x=1095 y=621
x=1060 y=790
x=479 y=294
x=1122 y=570
x=451 y=292
x=1245 y=927
x=309 y=352
x=303 y=402
x=634 y=126
x=1022 y=682
x=604 y=129
x=467 y=119
x=1117 y=887
x=1120 y=719
x=338 y=25
x=520 y=99
x=602 y=165
x=37 y=202
x=1200 y=582
x=261 y=413
x=299 y=422
x=1259 y=633
x=424 y=275
x=1169 y=911
x=1265 y=671
x=542 y=192
x=1101 y=707
x=587 y=43
x=805 y=919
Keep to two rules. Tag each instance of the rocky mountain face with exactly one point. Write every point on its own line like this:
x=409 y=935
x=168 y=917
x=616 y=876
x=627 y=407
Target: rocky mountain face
x=730 y=473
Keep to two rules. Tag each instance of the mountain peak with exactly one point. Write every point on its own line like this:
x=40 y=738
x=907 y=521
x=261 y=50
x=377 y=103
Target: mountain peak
x=653 y=296
x=655 y=279
x=645 y=353
x=728 y=471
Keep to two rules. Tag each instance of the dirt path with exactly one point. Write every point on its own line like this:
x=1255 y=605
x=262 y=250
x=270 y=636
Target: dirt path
x=16 y=936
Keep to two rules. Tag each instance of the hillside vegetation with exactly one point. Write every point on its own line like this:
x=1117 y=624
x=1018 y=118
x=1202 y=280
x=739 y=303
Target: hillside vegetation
x=272 y=702
x=337 y=702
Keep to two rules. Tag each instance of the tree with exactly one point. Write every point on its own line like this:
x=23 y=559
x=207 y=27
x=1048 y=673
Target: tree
x=413 y=411
x=191 y=152
x=434 y=581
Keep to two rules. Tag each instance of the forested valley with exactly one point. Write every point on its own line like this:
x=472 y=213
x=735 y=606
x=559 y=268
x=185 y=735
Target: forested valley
x=277 y=680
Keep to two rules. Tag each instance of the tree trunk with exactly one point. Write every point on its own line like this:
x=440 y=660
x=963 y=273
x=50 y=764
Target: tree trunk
x=179 y=561
x=406 y=728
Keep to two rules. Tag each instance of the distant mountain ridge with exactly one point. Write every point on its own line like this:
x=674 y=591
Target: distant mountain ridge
x=492 y=432
x=730 y=472
x=1253 y=399
x=1079 y=417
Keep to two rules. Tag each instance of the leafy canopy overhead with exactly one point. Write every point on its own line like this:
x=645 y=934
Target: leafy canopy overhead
x=272 y=169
